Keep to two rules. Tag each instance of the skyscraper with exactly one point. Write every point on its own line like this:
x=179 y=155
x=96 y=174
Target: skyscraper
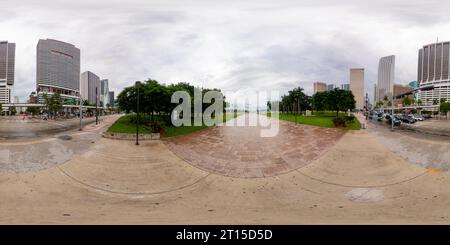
x=330 y=87
x=89 y=85
x=319 y=87
x=58 y=69
x=111 y=98
x=434 y=72
x=357 y=86
x=375 y=93
x=104 y=92
x=7 y=71
x=345 y=86
x=386 y=76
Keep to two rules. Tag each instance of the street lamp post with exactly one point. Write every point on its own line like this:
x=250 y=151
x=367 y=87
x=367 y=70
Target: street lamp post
x=81 y=113
x=392 y=116
x=137 y=111
x=96 y=106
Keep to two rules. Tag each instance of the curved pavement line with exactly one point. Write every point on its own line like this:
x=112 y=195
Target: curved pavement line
x=363 y=186
x=132 y=193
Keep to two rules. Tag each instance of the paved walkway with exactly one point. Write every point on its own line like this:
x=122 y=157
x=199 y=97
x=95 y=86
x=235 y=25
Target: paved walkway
x=16 y=128
x=357 y=180
x=36 y=153
x=239 y=151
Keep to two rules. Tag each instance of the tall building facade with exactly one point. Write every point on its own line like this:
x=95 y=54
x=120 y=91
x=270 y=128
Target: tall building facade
x=375 y=93
x=345 y=86
x=7 y=71
x=90 y=87
x=357 y=86
x=433 y=73
x=402 y=89
x=111 y=98
x=58 y=70
x=319 y=87
x=331 y=87
x=104 y=92
x=386 y=76
x=413 y=85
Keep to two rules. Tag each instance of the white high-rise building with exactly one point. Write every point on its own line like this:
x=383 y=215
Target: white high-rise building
x=434 y=73
x=386 y=76
x=104 y=92
x=58 y=70
x=357 y=86
x=7 y=71
x=90 y=87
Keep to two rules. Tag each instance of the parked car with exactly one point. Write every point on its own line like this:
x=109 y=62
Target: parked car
x=416 y=117
x=397 y=121
x=407 y=119
x=426 y=116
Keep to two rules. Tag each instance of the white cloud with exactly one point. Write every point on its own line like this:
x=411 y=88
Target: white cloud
x=227 y=44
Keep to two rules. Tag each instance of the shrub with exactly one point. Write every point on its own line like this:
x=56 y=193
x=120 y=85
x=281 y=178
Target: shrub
x=156 y=125
x=339 y=121
x=350 y=118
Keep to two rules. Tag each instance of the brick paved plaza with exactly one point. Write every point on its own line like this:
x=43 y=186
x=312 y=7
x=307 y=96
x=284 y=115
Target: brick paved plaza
x=241 y=152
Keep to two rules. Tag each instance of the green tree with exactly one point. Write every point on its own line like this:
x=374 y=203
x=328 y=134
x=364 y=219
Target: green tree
x=155 y=98
x=379 y=104
x=319 y=101
x=54 y=103
x=406 y=101
x=386 y=100
x=269 y=105
x=340 y=100
x=32 y=110
x=444 y=108
x=12 y=110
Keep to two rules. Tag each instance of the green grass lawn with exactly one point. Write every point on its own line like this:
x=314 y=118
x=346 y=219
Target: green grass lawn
x=123 y=125
x=321 y=119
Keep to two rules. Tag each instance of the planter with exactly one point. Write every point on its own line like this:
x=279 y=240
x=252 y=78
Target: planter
x=124 y=136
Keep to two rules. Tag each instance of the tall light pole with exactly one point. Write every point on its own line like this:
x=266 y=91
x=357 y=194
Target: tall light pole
x=392 y=116
x=81 y=112
x=138 y=83
x=96 y=105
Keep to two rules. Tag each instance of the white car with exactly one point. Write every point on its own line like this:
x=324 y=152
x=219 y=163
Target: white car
x=416 y=117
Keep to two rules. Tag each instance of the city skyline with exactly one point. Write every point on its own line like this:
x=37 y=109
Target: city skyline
x=286 y=49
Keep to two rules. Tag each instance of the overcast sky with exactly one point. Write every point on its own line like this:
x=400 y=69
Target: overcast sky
x=263 y=45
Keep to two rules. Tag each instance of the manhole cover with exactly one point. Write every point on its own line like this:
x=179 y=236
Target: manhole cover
x=65 y=137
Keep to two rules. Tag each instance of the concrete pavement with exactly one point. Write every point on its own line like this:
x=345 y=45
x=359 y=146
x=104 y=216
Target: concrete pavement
x=357 y=180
